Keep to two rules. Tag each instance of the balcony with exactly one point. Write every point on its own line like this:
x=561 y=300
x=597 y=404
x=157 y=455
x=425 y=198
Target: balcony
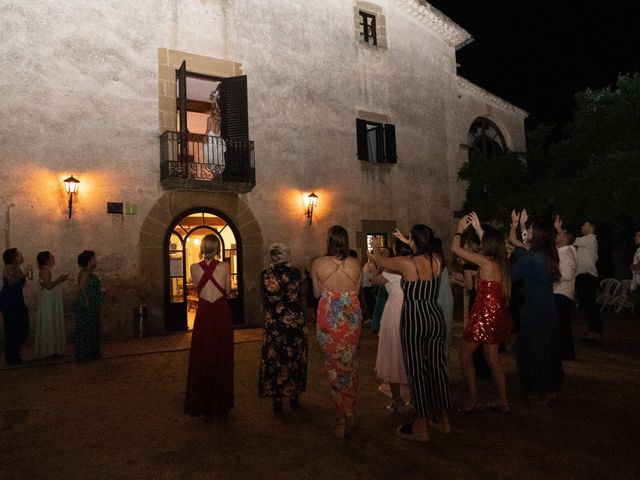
x=213 y=164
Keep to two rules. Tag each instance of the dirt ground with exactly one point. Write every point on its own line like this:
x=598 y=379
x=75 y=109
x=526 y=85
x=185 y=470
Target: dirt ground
x=121 y=417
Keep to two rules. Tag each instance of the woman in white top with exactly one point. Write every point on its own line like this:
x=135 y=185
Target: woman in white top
x=50 y=331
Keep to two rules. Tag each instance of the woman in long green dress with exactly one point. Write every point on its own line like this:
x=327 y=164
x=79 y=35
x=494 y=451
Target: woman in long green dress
x=89 y=303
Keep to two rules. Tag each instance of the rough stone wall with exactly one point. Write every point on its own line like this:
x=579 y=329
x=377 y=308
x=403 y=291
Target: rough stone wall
x=79 y=92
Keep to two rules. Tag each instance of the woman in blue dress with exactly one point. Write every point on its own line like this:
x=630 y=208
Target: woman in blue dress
x=537 y=346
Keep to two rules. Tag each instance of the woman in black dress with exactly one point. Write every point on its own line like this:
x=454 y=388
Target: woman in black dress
x=14 y=310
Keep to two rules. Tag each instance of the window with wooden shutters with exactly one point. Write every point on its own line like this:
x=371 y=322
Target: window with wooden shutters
x=376 y=142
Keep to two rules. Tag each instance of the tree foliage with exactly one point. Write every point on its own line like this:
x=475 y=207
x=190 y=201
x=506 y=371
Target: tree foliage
x=591 y=173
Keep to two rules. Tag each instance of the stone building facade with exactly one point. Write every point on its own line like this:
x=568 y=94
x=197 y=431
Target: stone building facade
x=356 y=101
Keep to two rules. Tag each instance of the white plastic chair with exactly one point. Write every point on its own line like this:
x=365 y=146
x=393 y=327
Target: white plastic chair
x=622 y=299
x=609 y=288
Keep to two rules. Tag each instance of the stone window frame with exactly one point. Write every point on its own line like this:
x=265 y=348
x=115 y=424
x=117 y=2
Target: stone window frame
x=168 y=62
x=381 y=23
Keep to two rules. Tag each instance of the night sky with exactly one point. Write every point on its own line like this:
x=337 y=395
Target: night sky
x=537 y=54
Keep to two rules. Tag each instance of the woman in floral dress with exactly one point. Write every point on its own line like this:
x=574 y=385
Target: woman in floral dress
x=336 y=282
x=283 y=366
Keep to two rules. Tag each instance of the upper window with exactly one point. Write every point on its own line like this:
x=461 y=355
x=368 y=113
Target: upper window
x=370 y=24
x=368 y=28
x=485 y=136
x=376 y=141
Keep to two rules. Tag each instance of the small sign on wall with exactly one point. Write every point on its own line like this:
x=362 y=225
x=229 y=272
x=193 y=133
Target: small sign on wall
x=130 y=208
x=114 y=208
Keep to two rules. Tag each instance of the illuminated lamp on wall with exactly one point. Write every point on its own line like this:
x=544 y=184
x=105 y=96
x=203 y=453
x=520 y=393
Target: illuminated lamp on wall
x=71 y=187
x=310 y=201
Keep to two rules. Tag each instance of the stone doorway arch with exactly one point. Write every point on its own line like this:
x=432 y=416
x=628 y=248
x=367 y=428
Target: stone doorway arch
x=152 y=236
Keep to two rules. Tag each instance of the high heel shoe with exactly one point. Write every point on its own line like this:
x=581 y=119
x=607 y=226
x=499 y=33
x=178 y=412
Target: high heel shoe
x=406 y=432
x=463 y=412
x=504 y=409
x=393 y=406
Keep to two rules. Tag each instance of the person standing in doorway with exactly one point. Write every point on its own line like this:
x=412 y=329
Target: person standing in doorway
x=210 y=373
x=587 y=282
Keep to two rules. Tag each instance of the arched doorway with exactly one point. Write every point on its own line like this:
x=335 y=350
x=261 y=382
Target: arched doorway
x=182 y=249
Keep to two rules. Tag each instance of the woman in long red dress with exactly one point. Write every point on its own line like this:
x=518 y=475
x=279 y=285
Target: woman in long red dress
x=490 y=323
x=210 y=375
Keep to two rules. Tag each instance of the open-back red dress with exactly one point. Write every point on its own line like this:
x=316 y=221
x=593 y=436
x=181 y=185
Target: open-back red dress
x=210 y=375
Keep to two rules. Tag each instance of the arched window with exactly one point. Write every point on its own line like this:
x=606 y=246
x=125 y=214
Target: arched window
x=485 y=136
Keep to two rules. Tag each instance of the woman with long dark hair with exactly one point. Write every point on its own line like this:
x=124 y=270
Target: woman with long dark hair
x=336 y=282
x=490 y=323
x=50 y=338
x=423 y=333
x=14 y=310
x=537 y=346
x=87 y=336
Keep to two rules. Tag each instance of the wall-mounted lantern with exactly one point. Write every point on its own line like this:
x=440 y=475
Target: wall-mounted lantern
x=71 y=187
x=310 y=202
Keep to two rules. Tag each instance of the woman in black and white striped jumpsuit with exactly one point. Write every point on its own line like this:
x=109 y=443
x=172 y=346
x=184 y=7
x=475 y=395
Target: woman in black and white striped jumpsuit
x=423 y=333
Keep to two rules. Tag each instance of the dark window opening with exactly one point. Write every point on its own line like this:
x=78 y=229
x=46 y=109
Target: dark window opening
x=376 y=142
x=486 y=137
x=368 y=28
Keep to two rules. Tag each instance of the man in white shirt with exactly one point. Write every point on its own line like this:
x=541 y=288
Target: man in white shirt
x=564 y=292
x=587 y=282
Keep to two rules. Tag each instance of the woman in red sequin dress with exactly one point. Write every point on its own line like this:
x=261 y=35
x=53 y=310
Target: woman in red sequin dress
x=490 y=323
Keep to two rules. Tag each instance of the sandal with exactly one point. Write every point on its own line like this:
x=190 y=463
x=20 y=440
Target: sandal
x=477 y=408
x=406 y=432
x=504 y=409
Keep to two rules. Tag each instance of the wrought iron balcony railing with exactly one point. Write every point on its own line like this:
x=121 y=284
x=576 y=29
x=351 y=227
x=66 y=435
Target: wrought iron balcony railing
x=213 y=163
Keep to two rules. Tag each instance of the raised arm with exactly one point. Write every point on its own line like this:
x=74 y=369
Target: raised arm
x=513 y=237
x=456 y=243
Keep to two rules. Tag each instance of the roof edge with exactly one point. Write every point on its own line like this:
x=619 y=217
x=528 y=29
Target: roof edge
x=466 y=85
x=452 y=33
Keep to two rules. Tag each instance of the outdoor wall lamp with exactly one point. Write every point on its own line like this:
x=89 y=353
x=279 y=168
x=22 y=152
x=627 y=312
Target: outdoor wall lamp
x=310 y=200
x=71 y=187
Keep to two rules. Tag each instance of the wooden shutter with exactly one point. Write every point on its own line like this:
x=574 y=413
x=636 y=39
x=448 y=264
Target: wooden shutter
x=390 y=143
x=181 y=80
x=361 y=133
x=235 y=108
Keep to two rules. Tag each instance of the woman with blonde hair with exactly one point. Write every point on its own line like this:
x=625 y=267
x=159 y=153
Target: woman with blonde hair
x=210 y=374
